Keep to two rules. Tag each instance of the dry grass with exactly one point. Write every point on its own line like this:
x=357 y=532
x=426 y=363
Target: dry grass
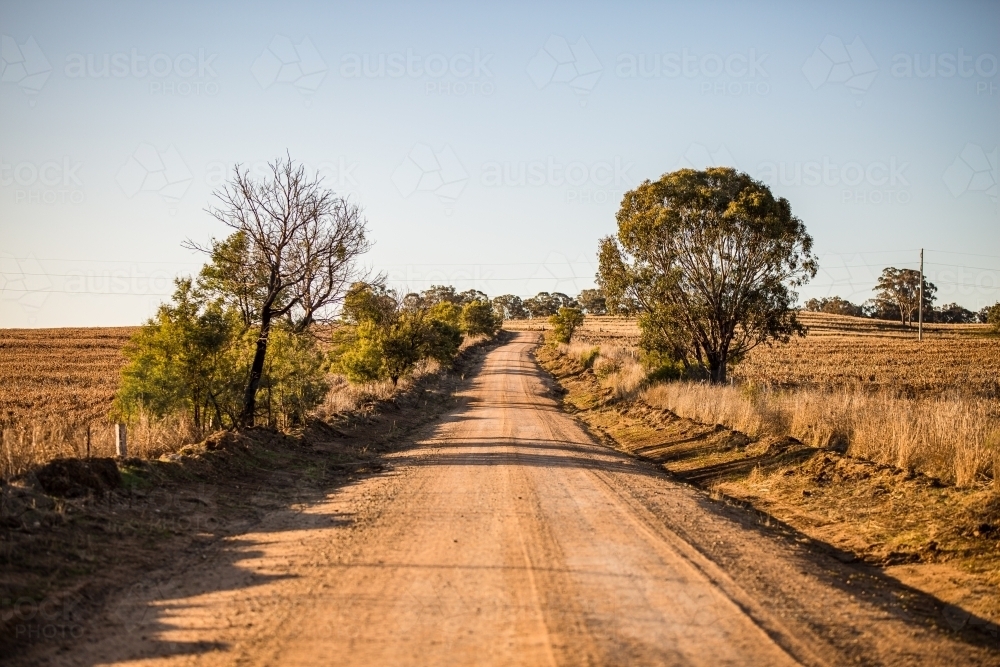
x=840 y=351
x=864 y=386
x=55 y=386
x=56 y=389
x=617 y=367
x=954 y=439
x=70 y=373
x=345 y=397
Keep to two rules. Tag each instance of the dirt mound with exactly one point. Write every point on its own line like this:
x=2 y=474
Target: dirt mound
x=836 y=468
x=228 y=441
x=72 y=478
x=981 y=517
x=781 y=445
x=734 y=440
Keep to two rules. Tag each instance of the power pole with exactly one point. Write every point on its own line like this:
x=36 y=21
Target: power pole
x=920 y=308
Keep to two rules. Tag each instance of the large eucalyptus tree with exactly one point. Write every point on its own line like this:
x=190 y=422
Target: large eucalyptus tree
x=709 y=260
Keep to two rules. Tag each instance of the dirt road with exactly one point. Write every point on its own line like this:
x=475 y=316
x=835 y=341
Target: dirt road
x=505 y=537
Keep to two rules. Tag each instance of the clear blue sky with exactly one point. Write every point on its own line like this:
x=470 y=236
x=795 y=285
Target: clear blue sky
x=488 y=144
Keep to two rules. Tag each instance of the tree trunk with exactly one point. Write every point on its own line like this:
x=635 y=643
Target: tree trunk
x=717 y=367
x=196 y=400
x=256 y=371
x=218 y=410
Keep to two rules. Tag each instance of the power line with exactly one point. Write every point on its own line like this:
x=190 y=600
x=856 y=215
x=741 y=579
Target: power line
x=962 y=266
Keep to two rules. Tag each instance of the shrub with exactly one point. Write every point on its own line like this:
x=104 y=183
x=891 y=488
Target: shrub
x=588 y=357
x=564 y=323
x=194 y=357
x=385 y=337
x=479 y=319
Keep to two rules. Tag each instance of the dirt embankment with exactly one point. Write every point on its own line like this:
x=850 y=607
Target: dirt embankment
x=936 y=538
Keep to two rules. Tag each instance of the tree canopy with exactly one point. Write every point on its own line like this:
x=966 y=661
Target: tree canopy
x=709 y=260
x=509 y=307
x=386 y=335
x=593 y=301
x=898 y=291
x=565 y=323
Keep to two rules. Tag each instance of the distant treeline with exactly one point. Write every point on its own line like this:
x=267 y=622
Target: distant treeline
x=897 y=297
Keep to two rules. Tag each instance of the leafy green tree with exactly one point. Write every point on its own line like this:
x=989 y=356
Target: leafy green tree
x=708 y=259
x=898 y=291
x=175 y=359
x=952 y=313
x=385 y=336
x=478 y=319
x=446 y=312
x=358 y=353
x=369 y=302
x=294 y=380
x=440 y=293
x=470 y=295
x=292 y=253
x=593 y=302
x=564 y=323
x=991 y=315
x=194 y=357
x=509 y=307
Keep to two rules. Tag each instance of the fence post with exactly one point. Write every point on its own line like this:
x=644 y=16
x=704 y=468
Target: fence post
x=88 y=441
x=121 y=441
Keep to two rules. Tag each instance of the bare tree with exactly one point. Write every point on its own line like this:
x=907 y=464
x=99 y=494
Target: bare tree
x=291 y=257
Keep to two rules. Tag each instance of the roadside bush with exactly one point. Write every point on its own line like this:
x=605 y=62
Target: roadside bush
x=479 y=319
x=588 y=357
x=385 y=337
x=194 y=358
x=564 y=323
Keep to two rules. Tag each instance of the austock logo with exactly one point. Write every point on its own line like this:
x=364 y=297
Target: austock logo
x=149 y=170
x=49 y=182
x=874 y=182
x=25 y=281
x=558 y=273
x=458 y=74
x=284 y=62
x=834 y=62
x=50 y=619
x=339 y=174
x=584 y=182
x=732 y=74
x=183 y=75
x=23 y=64
x=427 y=170
x=558 y=61
x=974 y=170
